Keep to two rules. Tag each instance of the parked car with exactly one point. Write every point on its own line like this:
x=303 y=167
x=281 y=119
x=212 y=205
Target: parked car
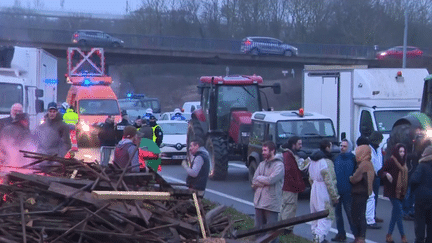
x=397 y=52
x=95 y=38
x=190 y=106
x=136 y=105
x=167 y=115
x=173 y=147
x=256 y=45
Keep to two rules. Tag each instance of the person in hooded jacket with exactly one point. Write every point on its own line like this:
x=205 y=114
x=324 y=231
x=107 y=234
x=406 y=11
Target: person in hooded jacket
x=395 y=177
x=324 y=194
x=15 y=109
x=107 y=139
x=267 y=183
x=52 y=135
x=421 y=185
x=361 y=189
x=344 y=165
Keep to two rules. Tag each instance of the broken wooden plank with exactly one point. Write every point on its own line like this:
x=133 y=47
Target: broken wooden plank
x=134 y=195
x=282 y=223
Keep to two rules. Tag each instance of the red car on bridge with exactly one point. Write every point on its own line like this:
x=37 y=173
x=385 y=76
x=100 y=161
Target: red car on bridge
x=397 y=52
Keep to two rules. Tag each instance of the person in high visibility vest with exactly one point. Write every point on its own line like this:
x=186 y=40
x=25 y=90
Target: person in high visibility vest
x=157 y=131
x=70 y=117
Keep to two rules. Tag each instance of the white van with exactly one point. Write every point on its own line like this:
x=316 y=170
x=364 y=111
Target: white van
x=190 y=106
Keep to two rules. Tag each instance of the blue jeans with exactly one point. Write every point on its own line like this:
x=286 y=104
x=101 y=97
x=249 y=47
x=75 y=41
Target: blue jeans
x=396 y=217
x=345 y=202
x=408 y=202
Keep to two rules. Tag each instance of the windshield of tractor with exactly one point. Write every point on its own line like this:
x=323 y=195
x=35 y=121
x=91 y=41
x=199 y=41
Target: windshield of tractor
x=385 y=119
x=98 y=107
x=237 y=98
x=9 y=95
x=304 y=129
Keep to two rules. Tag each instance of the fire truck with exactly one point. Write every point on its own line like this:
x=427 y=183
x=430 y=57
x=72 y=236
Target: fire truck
x=90 y=93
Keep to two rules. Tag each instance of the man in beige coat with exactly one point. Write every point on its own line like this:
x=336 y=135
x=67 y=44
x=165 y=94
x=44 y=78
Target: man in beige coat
x=267 y=183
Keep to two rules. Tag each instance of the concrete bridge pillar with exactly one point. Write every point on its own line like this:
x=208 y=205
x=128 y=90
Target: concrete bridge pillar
x=114 y=71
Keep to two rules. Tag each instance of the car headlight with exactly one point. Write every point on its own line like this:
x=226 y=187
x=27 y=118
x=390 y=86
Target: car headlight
x=245 y=134
x=85 y=127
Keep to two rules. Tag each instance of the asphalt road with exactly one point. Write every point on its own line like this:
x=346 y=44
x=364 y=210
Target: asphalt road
x=236 y=192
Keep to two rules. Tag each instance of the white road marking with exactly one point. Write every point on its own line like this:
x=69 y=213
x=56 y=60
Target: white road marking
x=249 y=203
x=238 y=165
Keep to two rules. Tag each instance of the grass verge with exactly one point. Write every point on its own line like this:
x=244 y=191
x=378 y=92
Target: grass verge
x=248 y=223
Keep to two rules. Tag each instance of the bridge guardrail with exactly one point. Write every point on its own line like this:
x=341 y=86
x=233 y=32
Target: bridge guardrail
x=175 y=43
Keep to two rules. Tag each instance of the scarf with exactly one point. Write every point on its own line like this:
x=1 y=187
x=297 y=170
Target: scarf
x=402 y=181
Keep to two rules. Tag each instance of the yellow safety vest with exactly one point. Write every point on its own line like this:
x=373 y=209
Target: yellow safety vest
x=154 y=135
x=70 y=117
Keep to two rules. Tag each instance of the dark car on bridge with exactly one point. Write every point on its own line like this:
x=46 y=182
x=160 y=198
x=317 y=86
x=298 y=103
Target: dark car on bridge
x=397 y=52
x=95 y=38
x=256 y=45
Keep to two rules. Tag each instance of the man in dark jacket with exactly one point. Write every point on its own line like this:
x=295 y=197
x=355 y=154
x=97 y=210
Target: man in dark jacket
x=14 y=137
x=293 y=182
x=344 y=166
x=15 y=109
x=421 y=185
x=52 y=135
x=119 y=127
x=107 y=139
x=199 y=167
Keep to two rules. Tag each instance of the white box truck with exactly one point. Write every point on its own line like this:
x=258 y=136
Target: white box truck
x=360 y=100
x=29 y=79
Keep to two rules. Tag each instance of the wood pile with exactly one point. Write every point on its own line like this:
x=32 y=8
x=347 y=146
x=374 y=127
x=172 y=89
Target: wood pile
x=76 y=201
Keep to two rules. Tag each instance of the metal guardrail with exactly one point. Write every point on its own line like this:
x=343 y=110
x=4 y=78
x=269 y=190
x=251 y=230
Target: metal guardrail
x=183 y=43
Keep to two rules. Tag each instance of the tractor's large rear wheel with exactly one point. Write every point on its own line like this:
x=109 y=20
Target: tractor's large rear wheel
x=218 y=150
x=194 y=131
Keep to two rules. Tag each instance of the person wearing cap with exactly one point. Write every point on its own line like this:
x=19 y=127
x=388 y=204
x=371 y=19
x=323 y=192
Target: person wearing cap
x=52 y=135
x=421 y=185
x=15 y=109
x=157 y=131
x=178 y=115
x=119 y=127
x=14 y=136
x=127 y=149
x=146 y=116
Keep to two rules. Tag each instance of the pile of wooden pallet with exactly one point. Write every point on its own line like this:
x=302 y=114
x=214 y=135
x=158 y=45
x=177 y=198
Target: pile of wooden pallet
x=75 y=201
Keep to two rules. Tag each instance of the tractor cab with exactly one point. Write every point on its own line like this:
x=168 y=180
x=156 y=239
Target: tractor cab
x=224 y=120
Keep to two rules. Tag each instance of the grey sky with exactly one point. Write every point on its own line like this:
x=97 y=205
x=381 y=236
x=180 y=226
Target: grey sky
x=84 y=6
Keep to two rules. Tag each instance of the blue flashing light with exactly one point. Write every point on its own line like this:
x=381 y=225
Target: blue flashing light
x=86 y=82
x=129 y=95
x=50 y=81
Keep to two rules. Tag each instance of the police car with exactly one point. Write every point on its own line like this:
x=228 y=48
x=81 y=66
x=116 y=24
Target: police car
x=279 y=126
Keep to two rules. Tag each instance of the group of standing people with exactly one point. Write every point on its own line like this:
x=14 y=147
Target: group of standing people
x=50 y=137
x=350 y=181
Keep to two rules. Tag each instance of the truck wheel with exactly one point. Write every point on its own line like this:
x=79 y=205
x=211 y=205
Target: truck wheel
x=218 y=150
x=252 y=168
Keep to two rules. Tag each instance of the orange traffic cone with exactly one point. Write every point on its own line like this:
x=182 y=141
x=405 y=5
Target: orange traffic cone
x=73 y=139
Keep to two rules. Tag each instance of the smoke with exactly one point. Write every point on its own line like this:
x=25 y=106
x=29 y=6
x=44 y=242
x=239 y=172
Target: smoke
x=11 y=157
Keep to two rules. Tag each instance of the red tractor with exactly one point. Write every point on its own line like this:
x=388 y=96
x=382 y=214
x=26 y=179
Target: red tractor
x=224 y=119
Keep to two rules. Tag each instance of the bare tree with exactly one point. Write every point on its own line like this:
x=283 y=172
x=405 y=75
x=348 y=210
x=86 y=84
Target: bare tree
x=38 y=4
